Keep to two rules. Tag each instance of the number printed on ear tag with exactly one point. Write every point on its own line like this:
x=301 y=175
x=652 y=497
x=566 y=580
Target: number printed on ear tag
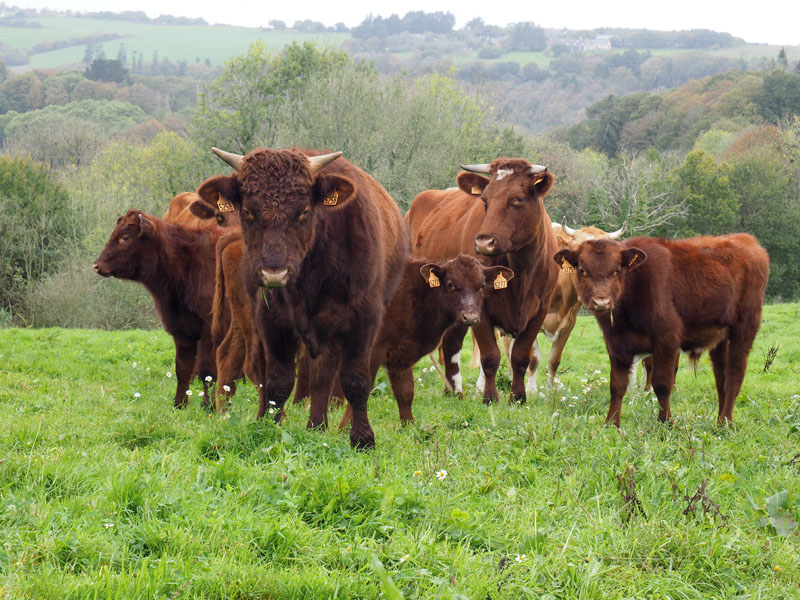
x=225 y=205
x=500 y=282
x=331 y=199
x=567 y=267
x=433 y=280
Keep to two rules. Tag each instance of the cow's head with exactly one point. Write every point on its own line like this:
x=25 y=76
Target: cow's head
x=576 y=237
x=128 y=248
x=513 y=197
x=601 y=267
x=280 y=194
x=462 y=283
x=223 y=211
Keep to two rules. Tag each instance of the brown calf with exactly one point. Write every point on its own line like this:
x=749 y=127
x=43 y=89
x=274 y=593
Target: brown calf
x=175 y=263
x=420 y=312
x=656 y=296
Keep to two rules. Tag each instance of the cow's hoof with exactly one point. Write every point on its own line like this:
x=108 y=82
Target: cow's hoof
x=362 y=441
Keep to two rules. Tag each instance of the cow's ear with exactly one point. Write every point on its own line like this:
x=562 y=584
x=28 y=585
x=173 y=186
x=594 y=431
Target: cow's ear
x=433 y=274
x=333 y=190
x=146 y=226
x=632 y=258
x=497 y=277
x=220 y=191
x=566 y=259
x=472 y=183
x=201 y=210
x=542 y=182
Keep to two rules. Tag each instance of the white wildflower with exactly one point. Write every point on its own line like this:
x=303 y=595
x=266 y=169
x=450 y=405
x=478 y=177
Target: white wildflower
x=208 y=378
x=441 y=475
x=188 y=392
x=521 y=558
x=404 y=558
x=135 y=364
x=227 y=388
x=137 y=395
x=169 y=374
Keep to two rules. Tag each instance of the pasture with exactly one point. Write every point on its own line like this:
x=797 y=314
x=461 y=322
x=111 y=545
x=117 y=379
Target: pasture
x=107 y=492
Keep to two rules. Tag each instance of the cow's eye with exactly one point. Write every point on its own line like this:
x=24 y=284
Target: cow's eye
x=518 y=201
x=451 y=286
x=583 y=272
x=303 y=217
x=220 y=218
x=124 y=237
x=615 y=273
x=248 y=216
x=485 y=203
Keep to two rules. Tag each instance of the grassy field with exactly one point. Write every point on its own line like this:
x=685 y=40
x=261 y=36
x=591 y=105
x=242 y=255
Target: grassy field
x=188 y=42
x=107 y=492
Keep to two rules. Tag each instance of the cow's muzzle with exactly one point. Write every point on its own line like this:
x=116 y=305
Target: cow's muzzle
x=487 y=244
x=470 y=317
x=101 y=268
x=273 y=278
x=601 y=304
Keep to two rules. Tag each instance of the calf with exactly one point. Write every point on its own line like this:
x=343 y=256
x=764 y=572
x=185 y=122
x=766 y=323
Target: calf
x=420 y=312
x=324 y=249
x=656 y=296
x=180 y=212
x=175 y=263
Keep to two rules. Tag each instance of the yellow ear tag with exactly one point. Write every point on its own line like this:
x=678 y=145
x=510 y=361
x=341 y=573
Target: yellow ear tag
x=567 y=267
x=476 y=191
x=331 y=199
x=500 y=282
x=225 y=205
x=538 y=180
x=433 y=280
x=633 y=260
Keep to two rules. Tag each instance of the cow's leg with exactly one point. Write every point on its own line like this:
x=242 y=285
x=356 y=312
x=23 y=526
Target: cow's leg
x=475 y=360
x=719 y=360
x=665 y=364
x=280 y=349
x=532 y=386
x=185 y=356
x=356 y=376
x=323 y=375
x=230 y=359
x=741 y=340
x=647 y=363
x=521 y=356
x=402 y=381
x=618 y=384
x=302 y=389
x=206 y=367
x=490 y=359
x=254 y=361
x=452 y=342
x=559 y=341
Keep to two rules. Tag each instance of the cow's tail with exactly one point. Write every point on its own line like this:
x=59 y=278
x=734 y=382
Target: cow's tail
x=694 y=358
x=218 y=306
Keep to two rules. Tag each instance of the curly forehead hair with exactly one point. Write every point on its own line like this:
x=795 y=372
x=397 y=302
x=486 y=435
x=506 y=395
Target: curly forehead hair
x=269 y=172
x=511 y=164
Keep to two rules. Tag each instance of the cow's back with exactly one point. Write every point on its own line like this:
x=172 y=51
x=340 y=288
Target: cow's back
x=443 y=223
x=178 y=212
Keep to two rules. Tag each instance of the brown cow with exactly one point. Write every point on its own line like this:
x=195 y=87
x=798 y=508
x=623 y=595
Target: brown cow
x=656 y=296
x=503 y=218
x=324 y=249
x=420 y=312
x=180 y=212
x=175 y=263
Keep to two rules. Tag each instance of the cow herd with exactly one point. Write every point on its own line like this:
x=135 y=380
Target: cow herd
x=299 y=272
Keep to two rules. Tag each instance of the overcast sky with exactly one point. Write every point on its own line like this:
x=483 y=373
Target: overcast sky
x=766 y=21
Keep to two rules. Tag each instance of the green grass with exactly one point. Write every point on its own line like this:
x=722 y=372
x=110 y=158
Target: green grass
x=187 y=42
x=106 y=495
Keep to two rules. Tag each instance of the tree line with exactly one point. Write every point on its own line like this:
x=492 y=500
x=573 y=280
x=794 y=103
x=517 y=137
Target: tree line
x=732 y=166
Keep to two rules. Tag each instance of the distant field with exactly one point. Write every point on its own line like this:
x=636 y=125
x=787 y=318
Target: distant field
x=189 y=42
x=107 y=492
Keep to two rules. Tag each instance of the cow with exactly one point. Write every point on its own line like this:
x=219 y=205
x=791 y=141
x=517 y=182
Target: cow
x=657 y=296
x=325 y=246
x=430 y=299
x=175 y=263
x=180 y=212
x=239 y=349
x=503 y=219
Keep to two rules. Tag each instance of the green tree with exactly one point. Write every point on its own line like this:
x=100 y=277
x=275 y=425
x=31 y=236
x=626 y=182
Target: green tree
x=241 y=105
x=779 y=99
x=712 y=206
x=107 y=70
x=34 y=225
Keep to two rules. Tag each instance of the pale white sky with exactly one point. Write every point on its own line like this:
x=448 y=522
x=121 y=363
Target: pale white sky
x=766 y=21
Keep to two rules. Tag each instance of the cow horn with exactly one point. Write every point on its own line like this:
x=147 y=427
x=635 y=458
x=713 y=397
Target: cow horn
x=315 y=163
x=568 y=230
x=234 y=160
x=618 y=233
x=484 y=168
x=537 y=169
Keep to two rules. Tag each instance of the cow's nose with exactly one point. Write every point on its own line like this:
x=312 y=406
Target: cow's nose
x=470 y=318
x=601 y=303
x=274 y=277
x=485 y=244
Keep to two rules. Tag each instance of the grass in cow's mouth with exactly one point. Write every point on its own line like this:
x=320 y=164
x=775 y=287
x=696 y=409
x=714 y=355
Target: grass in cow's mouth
x=105 y=494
